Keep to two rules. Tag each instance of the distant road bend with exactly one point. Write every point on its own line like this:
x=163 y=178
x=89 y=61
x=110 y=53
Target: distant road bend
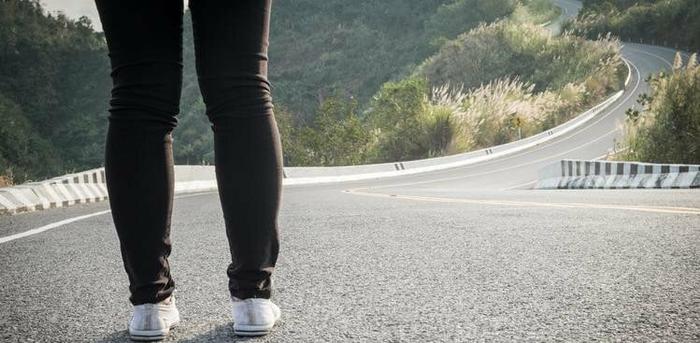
x=462 y=254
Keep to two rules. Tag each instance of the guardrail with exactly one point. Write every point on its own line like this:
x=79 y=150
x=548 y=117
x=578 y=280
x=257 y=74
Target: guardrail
x=83 y=187
x=577 y=174
x=308 y=175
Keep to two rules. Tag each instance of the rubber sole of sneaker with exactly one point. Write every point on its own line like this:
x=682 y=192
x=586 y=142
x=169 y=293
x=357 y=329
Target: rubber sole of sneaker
x=252 y=330
x=149 y=336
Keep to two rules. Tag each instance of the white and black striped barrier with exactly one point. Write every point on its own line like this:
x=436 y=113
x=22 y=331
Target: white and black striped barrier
x=576 y=174
x=84 y=187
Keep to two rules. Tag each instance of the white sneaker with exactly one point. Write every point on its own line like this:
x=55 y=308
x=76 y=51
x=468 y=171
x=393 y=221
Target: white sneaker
x=254 y=316
x=152 y=322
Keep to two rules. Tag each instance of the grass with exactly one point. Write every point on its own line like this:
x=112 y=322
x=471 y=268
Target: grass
x=6 y=181
x=537 y=12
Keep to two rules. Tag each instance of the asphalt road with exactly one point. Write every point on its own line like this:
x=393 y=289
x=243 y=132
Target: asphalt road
x=569 y=10
x=467 y=254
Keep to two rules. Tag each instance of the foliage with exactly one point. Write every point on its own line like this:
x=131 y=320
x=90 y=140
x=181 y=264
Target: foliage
x=194 y=138
x=442 y=121
x=525 y=51
x=22 y=153
x=535 y=11
x=339 y=50
x=667 y=130
x=454 y=18
x=669 y=22
x=55 y=82
x=337 y=137
x=604 y=6
x=344 y=77
x=320 y=48
x=395 y=112
x=500 y=111
x=511 y=80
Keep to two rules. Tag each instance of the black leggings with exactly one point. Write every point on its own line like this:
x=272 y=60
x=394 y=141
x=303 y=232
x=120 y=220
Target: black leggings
x=145 y=48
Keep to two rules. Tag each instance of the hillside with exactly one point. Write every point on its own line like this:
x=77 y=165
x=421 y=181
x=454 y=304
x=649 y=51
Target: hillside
x=55 y=83
x=492 y=85
x=669 y=22
x=55 y=86
x=320 y=49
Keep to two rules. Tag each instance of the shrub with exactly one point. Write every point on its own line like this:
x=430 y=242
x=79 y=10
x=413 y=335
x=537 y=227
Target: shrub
x=492 y=85
x=396 y=113
x=502 y=111
x=667 y=130
x=669 y=22
x=462 y=15
x=336 y=137
x=525 y=51
x=23 y=154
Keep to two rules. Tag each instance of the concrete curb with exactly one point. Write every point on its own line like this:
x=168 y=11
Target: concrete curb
x=316 y=175
x=576 y=174
x=83 y=187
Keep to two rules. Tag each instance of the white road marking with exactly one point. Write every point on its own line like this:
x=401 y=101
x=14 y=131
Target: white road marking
x=50 y=226
x=629 y=72
x=73 y=220
x=519 y=186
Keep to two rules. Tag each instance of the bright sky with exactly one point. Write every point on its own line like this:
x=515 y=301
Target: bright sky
x=76 y=9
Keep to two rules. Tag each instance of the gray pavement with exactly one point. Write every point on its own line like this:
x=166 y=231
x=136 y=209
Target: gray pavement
x=466 y=254
x=569 y=10
x=355 y=268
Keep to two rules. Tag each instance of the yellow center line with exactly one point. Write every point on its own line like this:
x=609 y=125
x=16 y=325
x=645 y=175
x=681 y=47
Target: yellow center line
x=655 y=209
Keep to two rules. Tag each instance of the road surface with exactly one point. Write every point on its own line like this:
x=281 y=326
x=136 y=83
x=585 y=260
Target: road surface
x=569 y=10
x=466 y=254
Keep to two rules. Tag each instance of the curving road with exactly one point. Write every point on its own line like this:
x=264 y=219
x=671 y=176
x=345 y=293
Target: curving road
x=569 y=10
x=466 y=254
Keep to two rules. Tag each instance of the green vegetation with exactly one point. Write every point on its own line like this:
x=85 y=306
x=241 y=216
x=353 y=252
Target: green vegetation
x=669 y=22
x=337 y=136
x=535 y=11
x=526 y=51
x=322 y=48
x=667 y=130
x=538 y=80
x=54 y=82
x=354 y=82
x=328 y=53
x=492 y=85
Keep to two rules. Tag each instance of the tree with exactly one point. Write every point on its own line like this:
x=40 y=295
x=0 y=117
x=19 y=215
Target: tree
x=336 y=137
x=396 y=113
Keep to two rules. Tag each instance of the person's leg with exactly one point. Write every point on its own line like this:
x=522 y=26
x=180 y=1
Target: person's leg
x=145 y=49
x=231 y=39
